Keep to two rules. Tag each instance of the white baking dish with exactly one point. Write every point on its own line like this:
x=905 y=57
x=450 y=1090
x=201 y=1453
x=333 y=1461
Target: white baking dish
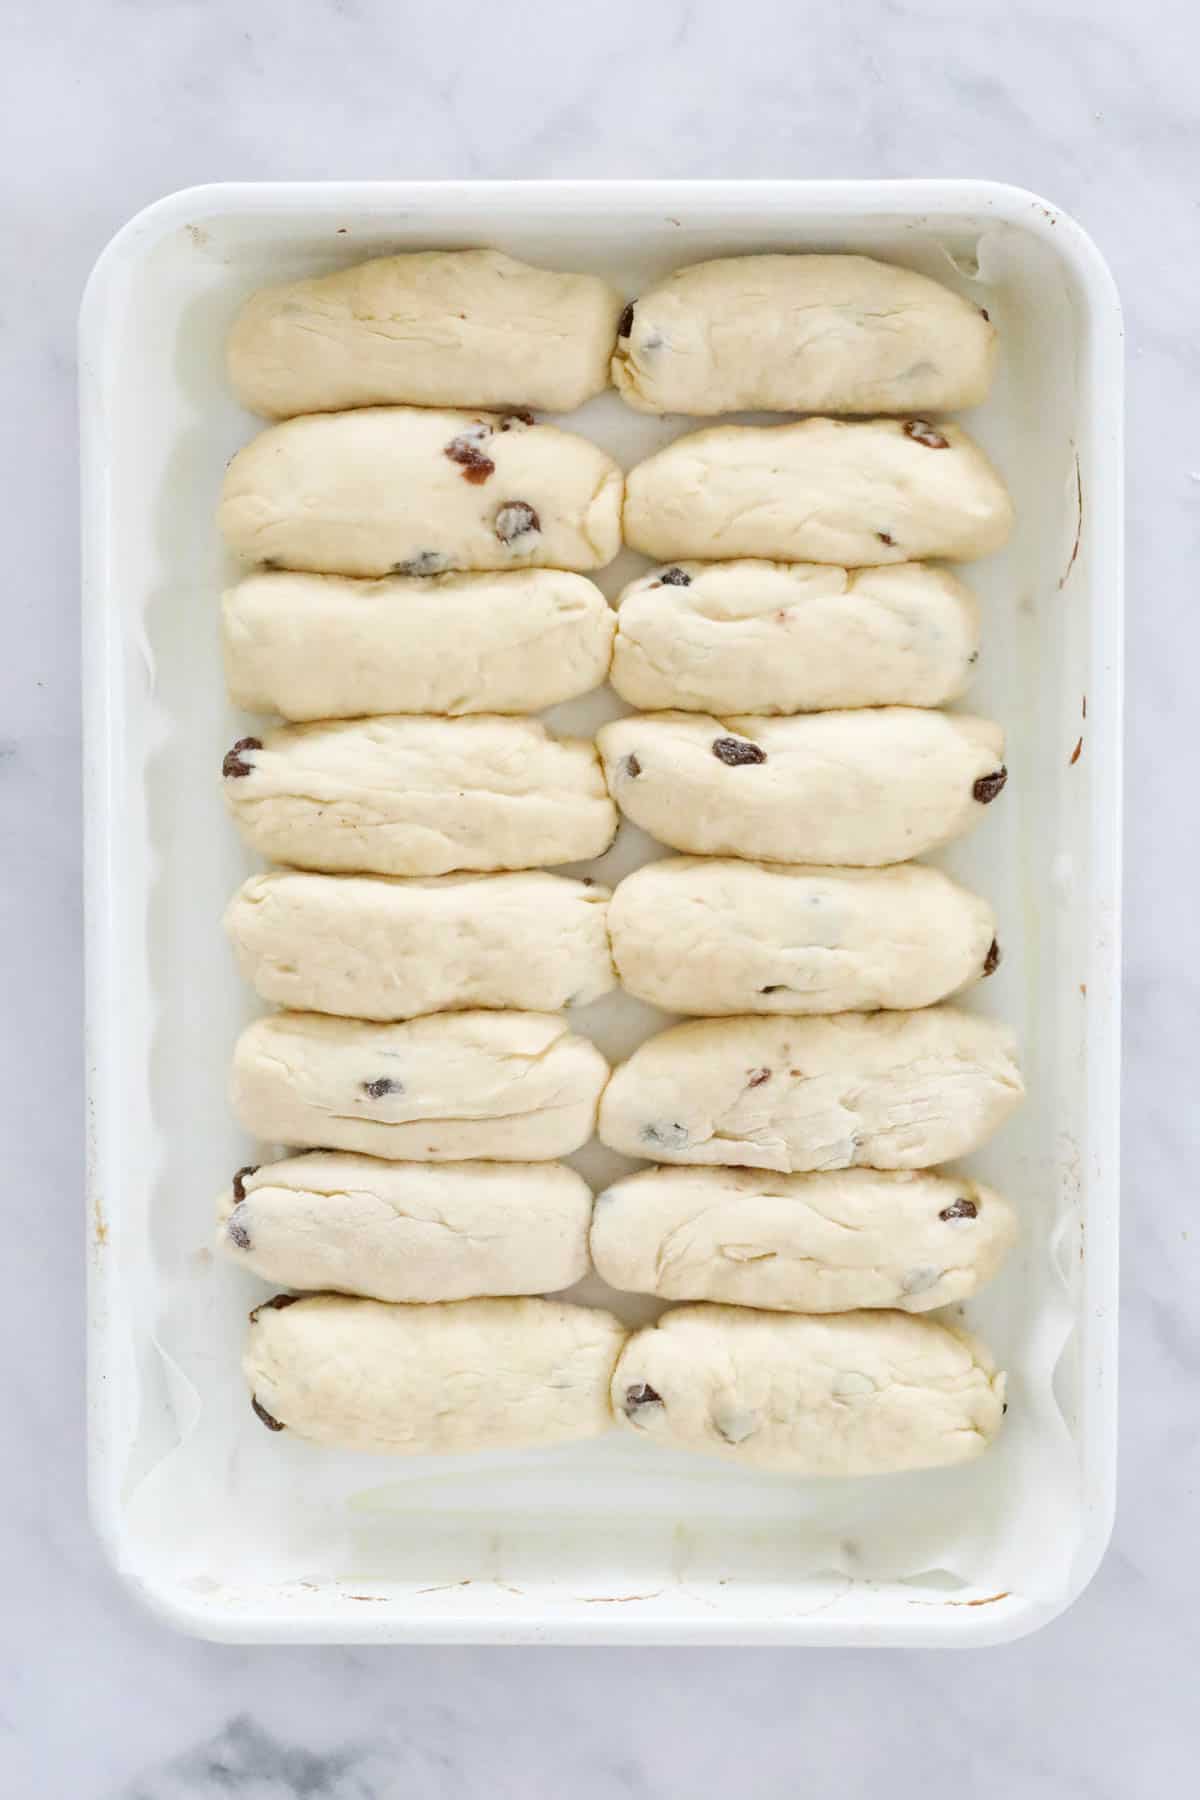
x=235 y=1534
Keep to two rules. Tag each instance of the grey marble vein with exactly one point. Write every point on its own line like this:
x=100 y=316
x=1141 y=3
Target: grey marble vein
x=243 y=1759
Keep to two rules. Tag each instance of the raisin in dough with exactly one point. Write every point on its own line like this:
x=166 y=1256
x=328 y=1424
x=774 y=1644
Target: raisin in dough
x=502 y=1086
x=801 y=1243
x=419 y=796
x=858 y=1090
x=863 y=788
x=396 y=491
x=332 y=647
x=423 y=1380
x=840 y=334
x=823 y=491
x=715 y=936
x=434 y=328
x=370 y=948
x=408 y=1231
x=856 y=1393
x=793 y=637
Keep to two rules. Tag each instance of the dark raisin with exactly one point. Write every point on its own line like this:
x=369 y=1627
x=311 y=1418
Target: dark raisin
x=959 y=1209
x=991 y=961
x=517 y=415
x=641 y=1394
x=736 y=752
x=922 y=432
x=425 y=562
x=464 y=450
x=276 y=1303
x=758 y=1076
x=239 y=1180
x=675 y=578
x=631 y=766
x=271 y=1423
x=625 y=322
x=988 y=786
x=237 y=1231
x=233 y=766
x=885 y=537
x=382 y=1087
x=515 y=519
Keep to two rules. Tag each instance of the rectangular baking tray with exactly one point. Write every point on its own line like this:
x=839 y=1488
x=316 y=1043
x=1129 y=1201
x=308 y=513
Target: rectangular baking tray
x=228 y=1533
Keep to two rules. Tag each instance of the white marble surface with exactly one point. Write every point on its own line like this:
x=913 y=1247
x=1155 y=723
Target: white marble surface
x=109 y=105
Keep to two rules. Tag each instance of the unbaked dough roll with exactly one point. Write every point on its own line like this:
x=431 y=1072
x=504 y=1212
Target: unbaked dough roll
x=824 y=491
x=839 y=334
x=370 y=948
x=419 y=796
x=862 y=788
x=408 y=1231
x=713 y=935
x=423 y=1380
x=857 y=1393
x=397 y=491
x=433 y=327
x=332 y=647
x=501 y=1086
x=801 y=1243
x=793 y=637
x=858 y=1090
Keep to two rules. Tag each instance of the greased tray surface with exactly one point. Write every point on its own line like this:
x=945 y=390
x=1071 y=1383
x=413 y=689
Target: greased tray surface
x=235 y=1535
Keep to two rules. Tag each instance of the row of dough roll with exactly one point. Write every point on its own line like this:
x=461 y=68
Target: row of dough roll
x=743 y=636
x=847 y=1394
x=414 y=795
x=785 y=333
x=886 y=1090
x=707 y=936
x=416 y=1233
x=409 y=491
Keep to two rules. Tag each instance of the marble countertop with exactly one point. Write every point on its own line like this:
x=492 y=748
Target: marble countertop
x=112 y=103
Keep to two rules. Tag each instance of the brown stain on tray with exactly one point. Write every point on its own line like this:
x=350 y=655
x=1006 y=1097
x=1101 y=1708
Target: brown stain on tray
x=1062 y=580
x=985 y=1600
